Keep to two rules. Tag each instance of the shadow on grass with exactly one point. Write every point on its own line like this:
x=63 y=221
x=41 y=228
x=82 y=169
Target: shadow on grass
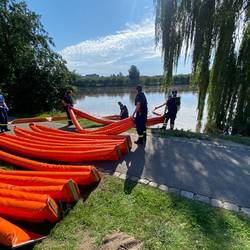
x=221 y=228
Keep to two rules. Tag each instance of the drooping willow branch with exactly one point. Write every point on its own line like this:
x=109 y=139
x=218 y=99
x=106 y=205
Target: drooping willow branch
x=209 y=29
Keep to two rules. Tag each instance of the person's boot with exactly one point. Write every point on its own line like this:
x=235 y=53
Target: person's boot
x=163 y=127
x=145 y=136
x=70 y=123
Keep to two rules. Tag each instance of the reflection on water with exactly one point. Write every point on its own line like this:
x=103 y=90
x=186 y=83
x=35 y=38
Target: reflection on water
x=103 y=101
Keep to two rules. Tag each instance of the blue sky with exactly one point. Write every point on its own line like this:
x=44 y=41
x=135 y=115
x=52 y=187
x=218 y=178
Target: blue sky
x=103 y=36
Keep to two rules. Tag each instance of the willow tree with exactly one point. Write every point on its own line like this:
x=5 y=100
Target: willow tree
x=210 y=31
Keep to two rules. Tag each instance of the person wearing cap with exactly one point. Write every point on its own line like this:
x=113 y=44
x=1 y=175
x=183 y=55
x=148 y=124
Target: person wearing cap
x=124 y=111
x=68 y=103
x=3 y=115
x=169 y=112
x=140 y=115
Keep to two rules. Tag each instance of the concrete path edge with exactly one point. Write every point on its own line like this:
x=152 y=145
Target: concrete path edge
x=186 y=194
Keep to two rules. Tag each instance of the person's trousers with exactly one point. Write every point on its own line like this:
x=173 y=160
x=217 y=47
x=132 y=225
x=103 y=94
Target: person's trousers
x=3 y=118
x=140 y=122
x=68 y=115
x=172 y=119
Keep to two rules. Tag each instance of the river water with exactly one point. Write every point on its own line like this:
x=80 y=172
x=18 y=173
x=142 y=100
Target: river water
x=103 y=101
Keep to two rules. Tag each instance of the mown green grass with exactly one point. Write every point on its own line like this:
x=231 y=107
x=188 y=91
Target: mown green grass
x=158 y=219
x=201 y=136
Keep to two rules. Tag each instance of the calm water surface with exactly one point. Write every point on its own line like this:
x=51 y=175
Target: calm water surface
x=103 y=101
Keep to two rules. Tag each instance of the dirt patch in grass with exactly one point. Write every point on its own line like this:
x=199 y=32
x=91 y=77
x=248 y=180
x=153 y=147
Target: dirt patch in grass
x=86 y=243
x=120 y=241
x=114 y=241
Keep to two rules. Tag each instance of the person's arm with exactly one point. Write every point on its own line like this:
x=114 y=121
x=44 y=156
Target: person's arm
x=161 y=106
x=137 y=108
x=63 y=103
x=5 y=105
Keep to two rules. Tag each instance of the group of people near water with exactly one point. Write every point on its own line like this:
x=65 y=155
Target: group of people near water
x=140 y=113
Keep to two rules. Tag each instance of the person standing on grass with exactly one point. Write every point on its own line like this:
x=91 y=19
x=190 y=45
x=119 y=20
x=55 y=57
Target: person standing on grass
x=68 y=103
x=124 y=111
x=3 y=115
x=140 y=115
x=169 y=112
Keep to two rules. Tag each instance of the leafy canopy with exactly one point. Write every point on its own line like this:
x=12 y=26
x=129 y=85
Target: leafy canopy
x=210 y=30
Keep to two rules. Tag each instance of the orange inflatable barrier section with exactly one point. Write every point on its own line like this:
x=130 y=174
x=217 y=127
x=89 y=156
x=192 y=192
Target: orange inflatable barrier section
x=106 y=153
x=29 y=210
x=80 y=178
x=90 y=117
x=34 y=196
x=38 y=119
x=63 y=193
x=41 y=166
x=13 y=236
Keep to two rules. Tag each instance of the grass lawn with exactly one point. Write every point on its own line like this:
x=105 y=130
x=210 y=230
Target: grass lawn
x=201 y=136
x=158 y=219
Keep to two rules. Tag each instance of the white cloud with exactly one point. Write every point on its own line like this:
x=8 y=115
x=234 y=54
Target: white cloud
x=115 y=53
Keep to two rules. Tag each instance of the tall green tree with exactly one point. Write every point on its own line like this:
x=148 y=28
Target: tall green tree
x=32 y=76
x=210 y=30
x=134 y=75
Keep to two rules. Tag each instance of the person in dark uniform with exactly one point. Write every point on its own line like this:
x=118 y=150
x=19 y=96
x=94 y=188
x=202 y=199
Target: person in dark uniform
x=171 y=107
x=140 y=114
x=177 y=99
x=124 y=111
x=3 y=115
x=67 y=103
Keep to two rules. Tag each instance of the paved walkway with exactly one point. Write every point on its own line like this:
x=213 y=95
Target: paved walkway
x=218 y=170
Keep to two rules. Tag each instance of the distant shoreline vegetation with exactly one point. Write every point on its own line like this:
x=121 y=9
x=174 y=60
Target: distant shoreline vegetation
x=123 y=81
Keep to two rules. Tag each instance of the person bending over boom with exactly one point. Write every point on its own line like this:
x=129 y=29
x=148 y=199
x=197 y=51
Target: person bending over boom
x=124 y=111
x=171 y=107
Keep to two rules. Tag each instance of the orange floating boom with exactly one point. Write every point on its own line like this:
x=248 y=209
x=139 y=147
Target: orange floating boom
x=41 y=166
x=30 y=211
x=69 y=188
x=114 y=128
x=50 y=138
x=13 y=236
x=109 y=153
x=67 y=192
x=21 y=195
x=81 y=178
x=66 y=147
x=91 y=118
x=89 y=136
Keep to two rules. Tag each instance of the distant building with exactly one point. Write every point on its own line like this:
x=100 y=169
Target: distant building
x=92 y=75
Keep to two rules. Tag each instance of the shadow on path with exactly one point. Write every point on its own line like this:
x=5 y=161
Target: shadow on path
x=135 y=168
